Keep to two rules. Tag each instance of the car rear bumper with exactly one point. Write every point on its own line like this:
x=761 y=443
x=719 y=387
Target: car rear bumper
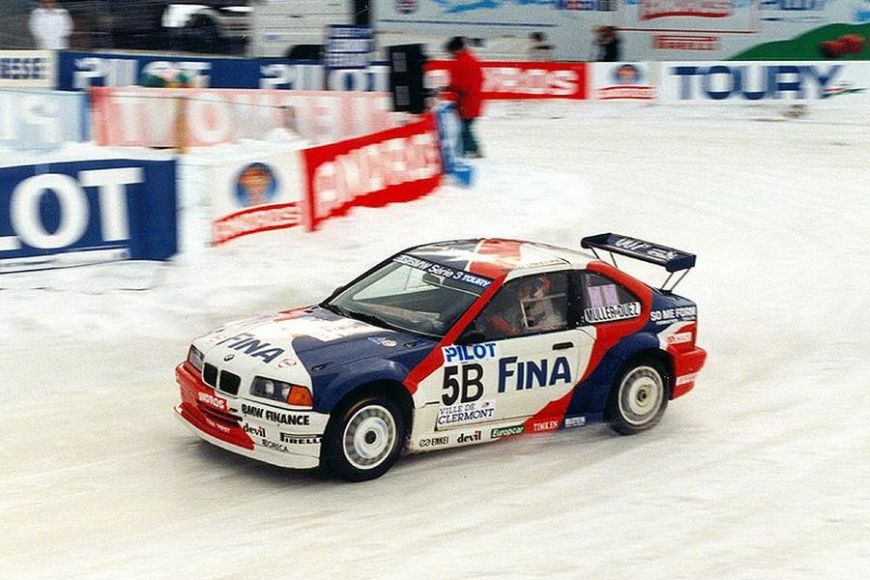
x=246 y=427
x=686 y=367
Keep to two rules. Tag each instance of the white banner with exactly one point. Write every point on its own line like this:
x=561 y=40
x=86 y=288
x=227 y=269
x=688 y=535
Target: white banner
x=31 y=119
x=258 y=194
x=132 y=116
x=622 y=81
x=765 y=81
x=27 y=69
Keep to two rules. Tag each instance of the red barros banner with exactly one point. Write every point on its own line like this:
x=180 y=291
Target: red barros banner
x=506 y=80
x=390 y=166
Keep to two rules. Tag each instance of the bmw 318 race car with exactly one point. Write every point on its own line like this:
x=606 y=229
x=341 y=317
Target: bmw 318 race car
x=444 y=345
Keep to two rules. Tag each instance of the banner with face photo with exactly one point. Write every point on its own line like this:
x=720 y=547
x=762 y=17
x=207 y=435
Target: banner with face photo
x=255 y=195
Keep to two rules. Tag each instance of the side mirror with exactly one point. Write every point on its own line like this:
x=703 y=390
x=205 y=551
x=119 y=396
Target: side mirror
x=470 y=336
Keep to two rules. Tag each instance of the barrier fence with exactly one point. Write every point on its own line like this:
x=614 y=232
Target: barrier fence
x=342 y=149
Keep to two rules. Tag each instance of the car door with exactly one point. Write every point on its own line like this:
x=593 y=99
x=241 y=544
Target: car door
x=520 y=354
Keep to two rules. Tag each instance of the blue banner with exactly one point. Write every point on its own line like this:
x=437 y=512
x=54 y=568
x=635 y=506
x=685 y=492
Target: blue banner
x=78 y=71
x=42 y=119
x=81 y=70
x=86 y=212
x=450 y=138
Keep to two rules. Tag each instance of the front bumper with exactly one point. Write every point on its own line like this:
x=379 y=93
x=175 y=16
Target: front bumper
x=276 y=435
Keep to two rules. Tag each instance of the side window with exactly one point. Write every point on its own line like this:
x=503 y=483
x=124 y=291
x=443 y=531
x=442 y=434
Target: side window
x=530 y=305
x=603 y=300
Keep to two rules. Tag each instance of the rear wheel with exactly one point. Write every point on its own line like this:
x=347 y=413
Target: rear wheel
x=365 y=439
x=638 y=398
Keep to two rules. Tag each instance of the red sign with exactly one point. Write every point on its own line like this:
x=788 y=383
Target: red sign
x=520 y=80
x=391 y=166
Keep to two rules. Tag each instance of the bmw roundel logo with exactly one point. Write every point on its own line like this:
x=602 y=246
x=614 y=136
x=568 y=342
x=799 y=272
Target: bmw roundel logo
x=229 y=357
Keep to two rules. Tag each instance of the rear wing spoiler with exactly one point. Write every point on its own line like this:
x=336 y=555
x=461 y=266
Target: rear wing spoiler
x=670 y=259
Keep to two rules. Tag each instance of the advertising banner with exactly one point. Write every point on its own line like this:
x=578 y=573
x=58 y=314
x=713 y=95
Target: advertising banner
x=86 y=212
x=520 y=80
x=256 y=195
x=749 y=82
x=392 y=166
x=689 y=16
x=621 y=81
x=79 y=71
x=136 y=116
x=660 y=30
x=27 y=69
x=42 y=119
x=348 y=46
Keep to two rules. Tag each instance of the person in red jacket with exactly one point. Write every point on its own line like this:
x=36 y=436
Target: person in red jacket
x=466 y=82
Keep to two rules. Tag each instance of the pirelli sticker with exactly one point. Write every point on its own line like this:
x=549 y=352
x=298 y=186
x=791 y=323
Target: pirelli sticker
x=611 y=313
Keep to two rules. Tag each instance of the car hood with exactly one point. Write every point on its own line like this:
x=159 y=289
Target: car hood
x=294 y=343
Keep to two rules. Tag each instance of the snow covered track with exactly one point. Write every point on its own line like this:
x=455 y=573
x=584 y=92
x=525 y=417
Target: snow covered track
x=759 y=472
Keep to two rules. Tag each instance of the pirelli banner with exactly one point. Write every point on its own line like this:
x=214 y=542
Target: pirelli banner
x=27 y=69
x=137 y=116
x=504 y=80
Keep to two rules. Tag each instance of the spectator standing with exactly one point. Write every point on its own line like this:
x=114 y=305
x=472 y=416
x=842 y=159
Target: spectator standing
x=609 y=43
x=51 y=26
x=466 y=83
x=539 y=49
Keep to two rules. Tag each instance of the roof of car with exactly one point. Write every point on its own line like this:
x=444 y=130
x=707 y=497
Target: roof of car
x=495 y=257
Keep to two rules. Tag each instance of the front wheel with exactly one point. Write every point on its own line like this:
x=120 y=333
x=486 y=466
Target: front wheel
x=365 y=439
x=638 y=399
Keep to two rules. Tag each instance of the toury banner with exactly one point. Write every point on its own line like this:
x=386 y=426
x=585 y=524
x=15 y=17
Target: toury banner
x=391 y=166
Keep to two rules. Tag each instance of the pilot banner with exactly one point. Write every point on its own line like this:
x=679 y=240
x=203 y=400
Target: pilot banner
x=42 y=119
x=86 y=212
x=396 y=165
x=80 y=71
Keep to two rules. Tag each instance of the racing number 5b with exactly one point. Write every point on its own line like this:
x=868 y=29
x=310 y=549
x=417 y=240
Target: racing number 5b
x=465 y=389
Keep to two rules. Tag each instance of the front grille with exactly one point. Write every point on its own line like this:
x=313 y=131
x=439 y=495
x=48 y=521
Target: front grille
x=209 y=375
x=222 y=417
x=230 y=382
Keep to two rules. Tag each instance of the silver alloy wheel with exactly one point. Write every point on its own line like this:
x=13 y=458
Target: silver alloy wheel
x=640 y=395
x=369 y=437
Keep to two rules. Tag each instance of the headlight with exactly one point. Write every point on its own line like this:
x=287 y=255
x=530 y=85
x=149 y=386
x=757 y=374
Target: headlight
x=195 y=357
x=280 y=391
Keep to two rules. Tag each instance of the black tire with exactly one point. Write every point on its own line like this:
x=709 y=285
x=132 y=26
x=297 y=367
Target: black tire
x=364 y=439
x=639 y=397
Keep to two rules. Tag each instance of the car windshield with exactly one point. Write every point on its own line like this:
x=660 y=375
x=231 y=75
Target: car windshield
x=411 y=294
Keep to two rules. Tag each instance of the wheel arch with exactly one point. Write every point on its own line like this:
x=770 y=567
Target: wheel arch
x=657 y=355
x=387 y=387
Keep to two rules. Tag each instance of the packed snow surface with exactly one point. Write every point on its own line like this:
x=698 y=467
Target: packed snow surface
x=761 y=472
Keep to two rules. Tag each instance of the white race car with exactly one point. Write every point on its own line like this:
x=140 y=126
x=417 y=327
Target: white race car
x=443 y=345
